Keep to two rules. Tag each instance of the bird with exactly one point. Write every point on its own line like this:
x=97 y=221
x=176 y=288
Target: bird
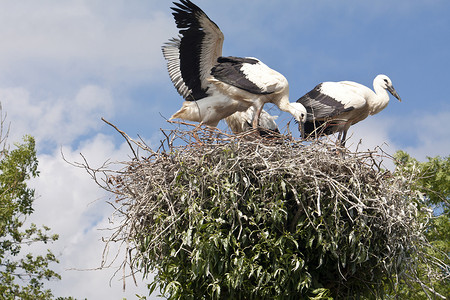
x=213 y=86
x=335 y=106
x=241 y=121
x=238 y=122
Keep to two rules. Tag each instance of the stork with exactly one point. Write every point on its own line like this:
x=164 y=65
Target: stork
x=241 y=121
x=335 y=106
x=214 y=86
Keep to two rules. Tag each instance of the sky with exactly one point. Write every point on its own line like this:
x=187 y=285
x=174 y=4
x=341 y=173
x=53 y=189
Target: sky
x=66 y=64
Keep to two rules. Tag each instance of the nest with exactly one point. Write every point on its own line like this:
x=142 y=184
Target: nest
x=246 y=217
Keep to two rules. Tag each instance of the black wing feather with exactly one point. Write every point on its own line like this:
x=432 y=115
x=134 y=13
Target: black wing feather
x=186 y=18
x=321 y=106
x=229 y=70
x=171 y=52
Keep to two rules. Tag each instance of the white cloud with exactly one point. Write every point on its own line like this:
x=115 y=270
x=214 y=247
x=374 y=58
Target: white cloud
x=371 y=133
x=420 y=135
x=56 y=121
x=430 y=132
x=50 y=42
x=73 y=206
x=69 y=201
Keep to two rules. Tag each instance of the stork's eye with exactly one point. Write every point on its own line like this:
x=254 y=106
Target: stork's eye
x=385 y=80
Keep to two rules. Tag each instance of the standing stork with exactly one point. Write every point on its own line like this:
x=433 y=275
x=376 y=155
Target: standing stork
x=335 y=106
x=214 y=86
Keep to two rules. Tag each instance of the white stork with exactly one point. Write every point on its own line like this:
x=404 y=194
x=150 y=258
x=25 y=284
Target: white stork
x=335 y=106
x=214 y=86
x=241 y=121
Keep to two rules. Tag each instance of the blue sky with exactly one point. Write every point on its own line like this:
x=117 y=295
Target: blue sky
x=66 y=64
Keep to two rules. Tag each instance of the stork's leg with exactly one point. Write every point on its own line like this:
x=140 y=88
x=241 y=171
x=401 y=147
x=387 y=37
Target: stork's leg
x=258 y=111
x=339 y=137
x=344 y=137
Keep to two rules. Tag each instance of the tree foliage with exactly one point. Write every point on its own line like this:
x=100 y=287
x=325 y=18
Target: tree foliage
x=22 y=274
x=433 y=180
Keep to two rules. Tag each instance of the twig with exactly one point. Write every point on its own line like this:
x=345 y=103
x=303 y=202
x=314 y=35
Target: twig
x=125 y=136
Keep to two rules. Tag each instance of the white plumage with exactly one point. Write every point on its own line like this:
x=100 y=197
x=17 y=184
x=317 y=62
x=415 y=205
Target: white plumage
x=213 y=86
x=335 y=106
x=241 y=121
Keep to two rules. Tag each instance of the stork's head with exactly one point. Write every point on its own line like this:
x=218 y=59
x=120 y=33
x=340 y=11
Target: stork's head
x=386 y=83
x=299 y=113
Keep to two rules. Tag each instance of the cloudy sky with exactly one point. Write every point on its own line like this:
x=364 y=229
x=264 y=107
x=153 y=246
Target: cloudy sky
x=66 y=64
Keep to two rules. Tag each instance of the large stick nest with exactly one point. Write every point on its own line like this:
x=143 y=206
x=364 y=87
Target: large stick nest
x=230 y=210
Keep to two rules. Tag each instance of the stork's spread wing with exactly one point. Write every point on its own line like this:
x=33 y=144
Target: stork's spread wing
x=248 y=74
x=190 y=58
x=171 y=52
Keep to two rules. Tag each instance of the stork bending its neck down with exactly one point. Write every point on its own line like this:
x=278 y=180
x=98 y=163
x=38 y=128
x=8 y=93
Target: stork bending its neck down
x=213 y=86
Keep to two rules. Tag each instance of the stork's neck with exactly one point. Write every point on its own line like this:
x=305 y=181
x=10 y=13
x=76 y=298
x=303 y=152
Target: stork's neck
x=284 y=104
x=295 y=109
x=379 y=100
